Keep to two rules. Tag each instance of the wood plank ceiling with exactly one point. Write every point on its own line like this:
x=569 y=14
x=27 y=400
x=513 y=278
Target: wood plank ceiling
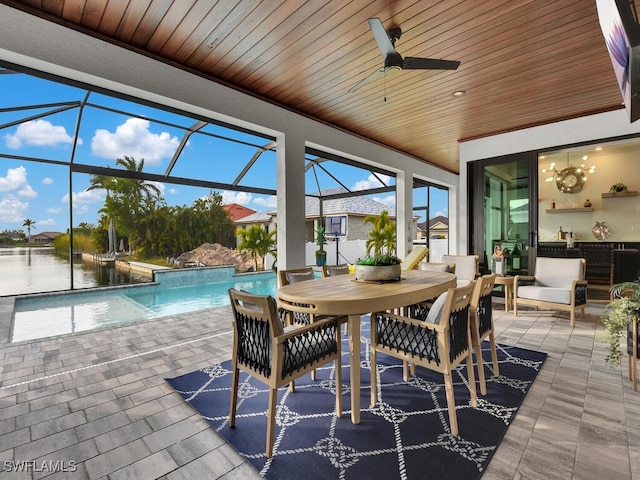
x=523 y=62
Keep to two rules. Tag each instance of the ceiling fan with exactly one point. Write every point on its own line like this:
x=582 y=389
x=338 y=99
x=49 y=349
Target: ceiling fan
x=393 y=61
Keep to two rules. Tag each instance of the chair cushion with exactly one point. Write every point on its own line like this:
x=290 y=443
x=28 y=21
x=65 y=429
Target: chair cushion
x=338 y=270
x=434 y=267
x=545 y=294
x=558 y=272
x=293 y=277
x=435 y=312
x=466 y=267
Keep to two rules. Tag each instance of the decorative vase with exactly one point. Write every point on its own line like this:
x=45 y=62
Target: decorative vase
x=321 y=258
x=587 y=204
x=377 y=273
x=600 y=231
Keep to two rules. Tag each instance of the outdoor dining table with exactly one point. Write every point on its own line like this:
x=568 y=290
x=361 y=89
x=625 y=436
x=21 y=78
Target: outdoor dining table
x=343 y=295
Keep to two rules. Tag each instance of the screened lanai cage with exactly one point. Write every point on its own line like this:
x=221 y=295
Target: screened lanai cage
x=75 y=159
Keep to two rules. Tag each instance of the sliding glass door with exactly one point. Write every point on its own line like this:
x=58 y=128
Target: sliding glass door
x=504 y=217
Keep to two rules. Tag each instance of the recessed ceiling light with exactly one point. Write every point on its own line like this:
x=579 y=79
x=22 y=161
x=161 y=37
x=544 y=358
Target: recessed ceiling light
x=459 y=93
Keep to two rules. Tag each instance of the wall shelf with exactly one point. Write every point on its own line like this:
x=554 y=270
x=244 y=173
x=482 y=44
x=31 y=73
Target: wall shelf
x=570 y=210
x=620 y=194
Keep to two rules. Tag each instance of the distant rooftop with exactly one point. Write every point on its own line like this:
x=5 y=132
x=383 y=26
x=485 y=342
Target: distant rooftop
x=335 y=206
x=237 y=211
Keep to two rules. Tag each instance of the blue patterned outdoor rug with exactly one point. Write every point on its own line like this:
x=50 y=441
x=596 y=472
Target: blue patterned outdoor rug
x=405 y=436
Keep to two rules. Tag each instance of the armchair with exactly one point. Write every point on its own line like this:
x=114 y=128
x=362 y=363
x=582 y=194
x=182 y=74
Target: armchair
x=275 y=355
x=438 y=346
x=558 y=284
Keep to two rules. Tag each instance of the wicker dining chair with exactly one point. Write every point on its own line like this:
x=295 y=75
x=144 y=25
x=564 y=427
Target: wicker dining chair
x=332 y=271
x=277 y=355
x=294 y=275
x=440 y=343
x=481 y=318
x=286 y=277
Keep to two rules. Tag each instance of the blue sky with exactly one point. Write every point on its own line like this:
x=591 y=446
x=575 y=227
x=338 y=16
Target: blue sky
x=40 y=191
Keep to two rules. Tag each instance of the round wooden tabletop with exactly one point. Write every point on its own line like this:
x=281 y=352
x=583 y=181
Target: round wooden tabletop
x=343 y=295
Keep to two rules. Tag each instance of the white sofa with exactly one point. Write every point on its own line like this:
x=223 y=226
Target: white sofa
x=558 y=284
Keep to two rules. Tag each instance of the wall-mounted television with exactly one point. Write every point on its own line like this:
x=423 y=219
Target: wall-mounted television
x=621 y=31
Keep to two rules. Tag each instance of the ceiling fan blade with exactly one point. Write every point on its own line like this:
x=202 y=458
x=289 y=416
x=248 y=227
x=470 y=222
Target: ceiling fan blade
x=381 y=36
x=372 y=76
x=415 y=63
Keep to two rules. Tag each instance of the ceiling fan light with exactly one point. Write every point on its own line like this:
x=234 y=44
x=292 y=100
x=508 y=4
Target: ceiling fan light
x=393 y=69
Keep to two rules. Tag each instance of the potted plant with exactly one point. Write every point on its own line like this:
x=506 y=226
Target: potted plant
x=321 y=254
x=619 y=315
x=618 y=188
x=382 y=264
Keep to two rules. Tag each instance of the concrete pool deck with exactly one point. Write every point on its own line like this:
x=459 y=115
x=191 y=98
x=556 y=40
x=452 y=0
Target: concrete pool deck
x=99 y=399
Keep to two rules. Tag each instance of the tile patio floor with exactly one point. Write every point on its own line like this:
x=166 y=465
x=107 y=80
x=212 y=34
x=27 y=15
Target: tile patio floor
x=99 y=399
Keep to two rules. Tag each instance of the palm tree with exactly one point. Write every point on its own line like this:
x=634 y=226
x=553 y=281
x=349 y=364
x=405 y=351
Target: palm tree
x=383 y=235
x=140 y=187
x=127 y=198
x=258 y=241
x=29 y=224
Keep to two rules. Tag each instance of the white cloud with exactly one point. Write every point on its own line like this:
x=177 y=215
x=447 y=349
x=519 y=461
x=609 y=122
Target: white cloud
x=15 y=178
x=12 y=210
x=39 y=133
x=444 y=213
x=174 y=191
x=388 y=200
x=371 y=182
x=81 y=200
x=54 y=210
x=241 y=198
x=48 y=180
x=269 y=202
x=159 y=185
x=27 y=192
x=16 y=181
x=81 y=209
x=47 y=222
x=134 y=139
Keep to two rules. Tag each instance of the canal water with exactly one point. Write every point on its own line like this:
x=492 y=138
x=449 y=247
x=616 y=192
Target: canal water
x=38 y=269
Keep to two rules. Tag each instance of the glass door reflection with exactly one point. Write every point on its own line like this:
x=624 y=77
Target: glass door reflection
x=506 y=205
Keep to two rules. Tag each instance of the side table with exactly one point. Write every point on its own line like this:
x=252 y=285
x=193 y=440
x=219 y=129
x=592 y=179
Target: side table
x=507 y=281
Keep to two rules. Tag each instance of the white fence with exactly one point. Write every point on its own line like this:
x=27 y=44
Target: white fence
x=348 y=251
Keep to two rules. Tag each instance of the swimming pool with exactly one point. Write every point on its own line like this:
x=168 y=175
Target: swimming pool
x=173 y=292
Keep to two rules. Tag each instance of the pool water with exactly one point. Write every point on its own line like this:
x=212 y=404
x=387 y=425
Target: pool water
x=49 y=315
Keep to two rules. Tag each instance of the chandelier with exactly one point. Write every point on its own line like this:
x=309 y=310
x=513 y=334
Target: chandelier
x=552 y=171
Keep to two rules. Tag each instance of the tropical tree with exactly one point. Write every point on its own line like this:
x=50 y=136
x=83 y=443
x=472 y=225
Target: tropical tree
x=127 y=198
x=258 y=241
x=29 y=224
x=382 y=237
x=213 y=222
